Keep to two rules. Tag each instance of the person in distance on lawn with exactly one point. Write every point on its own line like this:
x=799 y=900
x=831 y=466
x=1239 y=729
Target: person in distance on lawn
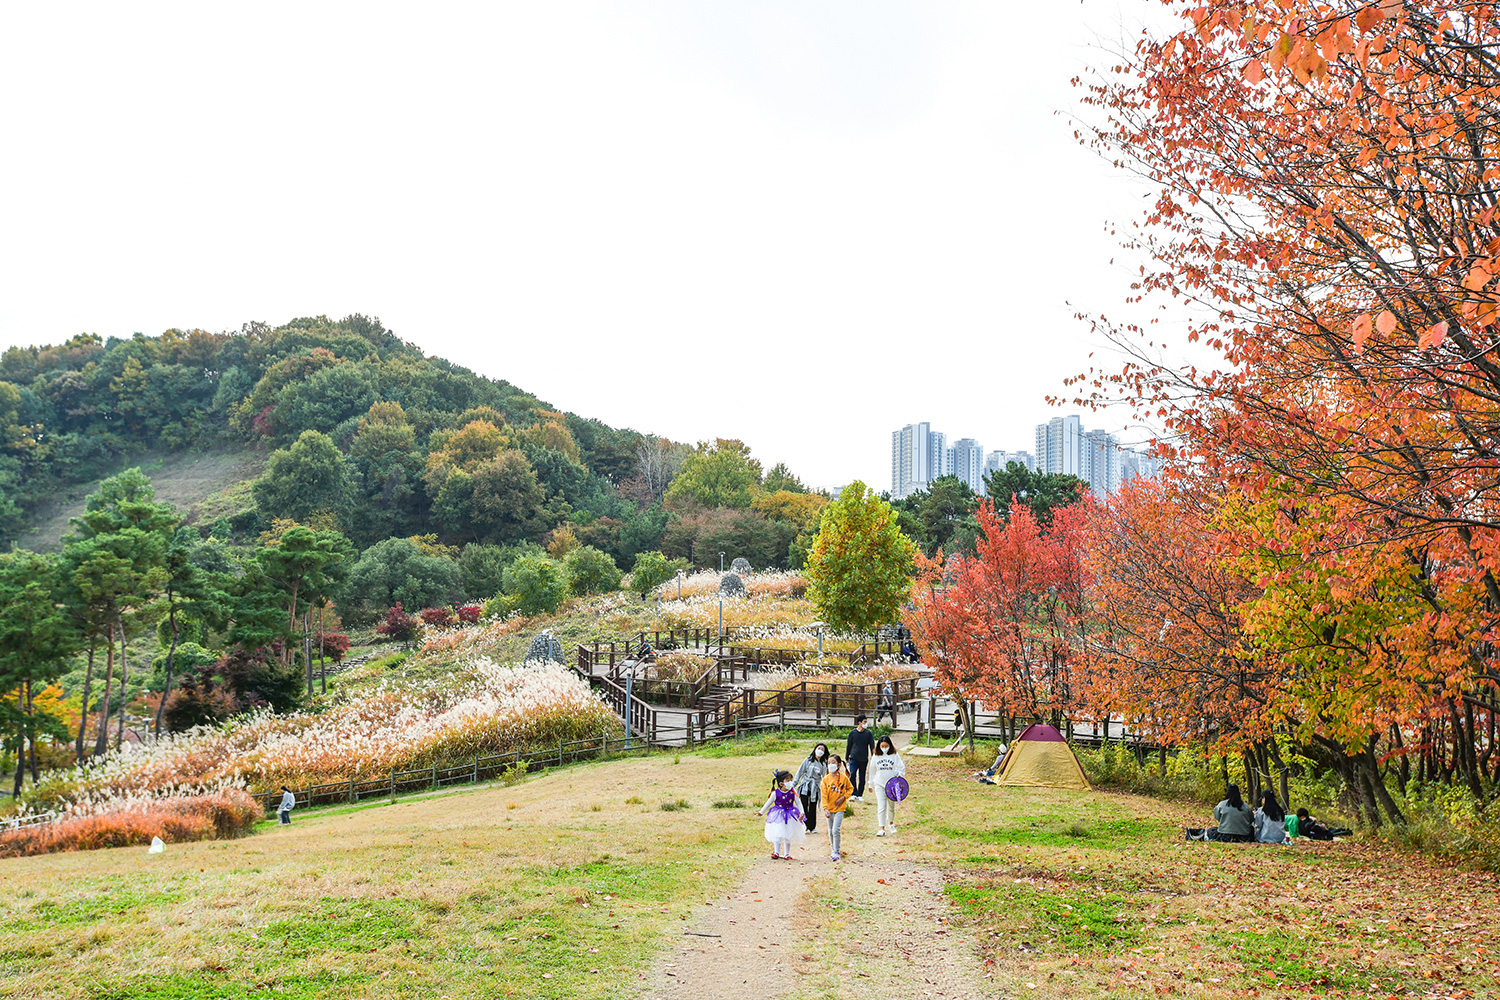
x=785 y=824
x=857 y=749
x=835 y=799
x=809 y=781
x=288 y=803
x=1236 y=823
x=887 y=765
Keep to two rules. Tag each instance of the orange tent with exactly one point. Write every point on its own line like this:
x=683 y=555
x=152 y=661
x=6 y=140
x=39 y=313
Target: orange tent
x=1040 y=756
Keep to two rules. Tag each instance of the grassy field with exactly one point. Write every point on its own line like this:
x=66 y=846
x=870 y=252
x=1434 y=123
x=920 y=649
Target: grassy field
x=569 y=884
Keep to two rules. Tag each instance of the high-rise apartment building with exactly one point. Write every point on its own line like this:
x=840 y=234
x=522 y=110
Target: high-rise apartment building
x=968 y=463
x=1144 y=464
x=1059 y=446
x=911 y=459
x=998 y=460
x=1100 y=462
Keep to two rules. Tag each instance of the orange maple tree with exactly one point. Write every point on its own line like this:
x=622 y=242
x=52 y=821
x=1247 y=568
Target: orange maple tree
x=1326 y=202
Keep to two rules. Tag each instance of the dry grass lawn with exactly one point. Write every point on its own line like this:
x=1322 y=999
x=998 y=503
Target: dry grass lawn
x=572 y=884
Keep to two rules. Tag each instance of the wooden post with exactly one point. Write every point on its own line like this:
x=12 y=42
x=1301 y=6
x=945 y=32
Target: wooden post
x=351 y=788
x=393 y=782
x=476 y=767
x=434 y=774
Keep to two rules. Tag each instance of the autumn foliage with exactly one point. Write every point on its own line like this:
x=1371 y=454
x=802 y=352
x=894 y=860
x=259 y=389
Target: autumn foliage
x=1324 y=180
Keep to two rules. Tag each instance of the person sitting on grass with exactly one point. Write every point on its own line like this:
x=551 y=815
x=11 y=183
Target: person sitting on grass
x=1270 y=820
x=1236 y=823
x=987 y=776
x=1304 y=825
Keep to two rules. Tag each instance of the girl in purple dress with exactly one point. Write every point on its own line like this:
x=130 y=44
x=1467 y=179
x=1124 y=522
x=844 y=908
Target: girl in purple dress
x=785 y=822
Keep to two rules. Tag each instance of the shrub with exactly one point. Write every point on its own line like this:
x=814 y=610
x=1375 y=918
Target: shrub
x=591 y=571
x=438 y=617
x=398 y=625
x=176 y=819
x=470 y=614
x=535 y=585
x=335 y=645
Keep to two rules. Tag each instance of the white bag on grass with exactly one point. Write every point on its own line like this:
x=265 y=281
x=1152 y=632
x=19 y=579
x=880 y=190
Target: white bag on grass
x=156 y=846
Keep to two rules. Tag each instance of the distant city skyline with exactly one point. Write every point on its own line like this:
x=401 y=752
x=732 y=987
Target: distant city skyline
x=1061 y=444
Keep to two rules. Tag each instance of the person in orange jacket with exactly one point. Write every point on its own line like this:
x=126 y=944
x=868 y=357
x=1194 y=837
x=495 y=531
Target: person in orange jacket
x=835 y=792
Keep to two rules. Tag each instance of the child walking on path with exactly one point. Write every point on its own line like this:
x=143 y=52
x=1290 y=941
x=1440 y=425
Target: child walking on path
x=836 y=791
x=785 y=823
x=886 y=765
x=808 y=781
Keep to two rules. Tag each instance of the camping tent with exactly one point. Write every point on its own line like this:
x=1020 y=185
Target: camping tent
x=1040 y=756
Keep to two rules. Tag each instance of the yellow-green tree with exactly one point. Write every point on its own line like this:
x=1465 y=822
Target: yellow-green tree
x=860 y=569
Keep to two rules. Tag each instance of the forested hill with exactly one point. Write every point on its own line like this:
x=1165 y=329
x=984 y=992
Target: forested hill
x=357 y=423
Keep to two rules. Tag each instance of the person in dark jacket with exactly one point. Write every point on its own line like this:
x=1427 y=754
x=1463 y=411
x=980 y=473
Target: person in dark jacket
x=857 y=750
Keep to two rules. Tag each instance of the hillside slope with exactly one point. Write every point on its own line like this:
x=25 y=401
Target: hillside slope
x=204 y=486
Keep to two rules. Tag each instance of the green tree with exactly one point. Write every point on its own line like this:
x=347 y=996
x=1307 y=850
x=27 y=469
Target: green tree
x=721 y=474
x=35 y=637
x=306 y=479
x=535 y=585
x=499 y=501
x=781 y=478
x=483 y=568
x=396 y=570
x=114 y=568
x=591 y=571
x=860 y=568
x=304 y=564
x=387 y=468
x=652 y=569
x=947 y=506
x=1041 y=491
x=192 y=596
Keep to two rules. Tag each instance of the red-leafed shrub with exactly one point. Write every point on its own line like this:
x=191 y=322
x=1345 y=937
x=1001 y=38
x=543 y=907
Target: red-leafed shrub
x=438 y=617
x=222 y=815
x=398 y=625
x=335 y=645
x=470 y=613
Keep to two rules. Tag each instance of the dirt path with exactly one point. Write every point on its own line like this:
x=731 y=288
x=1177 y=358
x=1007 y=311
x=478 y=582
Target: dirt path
x=873 y=924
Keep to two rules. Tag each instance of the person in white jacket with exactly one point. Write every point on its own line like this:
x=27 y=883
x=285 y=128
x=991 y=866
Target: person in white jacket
x=288 y=803
x=886 y=765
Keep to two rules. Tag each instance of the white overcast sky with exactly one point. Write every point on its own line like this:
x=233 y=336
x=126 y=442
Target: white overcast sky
x=802 y=224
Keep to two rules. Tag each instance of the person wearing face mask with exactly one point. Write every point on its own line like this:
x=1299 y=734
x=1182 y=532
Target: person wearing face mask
x=887 y=765
x=835 y=799
x=785 y=824
x=809 y=781
x=857 y=752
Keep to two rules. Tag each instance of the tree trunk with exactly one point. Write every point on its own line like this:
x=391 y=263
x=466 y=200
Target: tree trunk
x=322 y=634
x=36 y=776
x=1382 y=794
x=307 y=650
x=166 y=691
x=83 y=722
x=124 y=678
x=1367 y=796
x=291 y=626
x=102 y=742
x=15 y=791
